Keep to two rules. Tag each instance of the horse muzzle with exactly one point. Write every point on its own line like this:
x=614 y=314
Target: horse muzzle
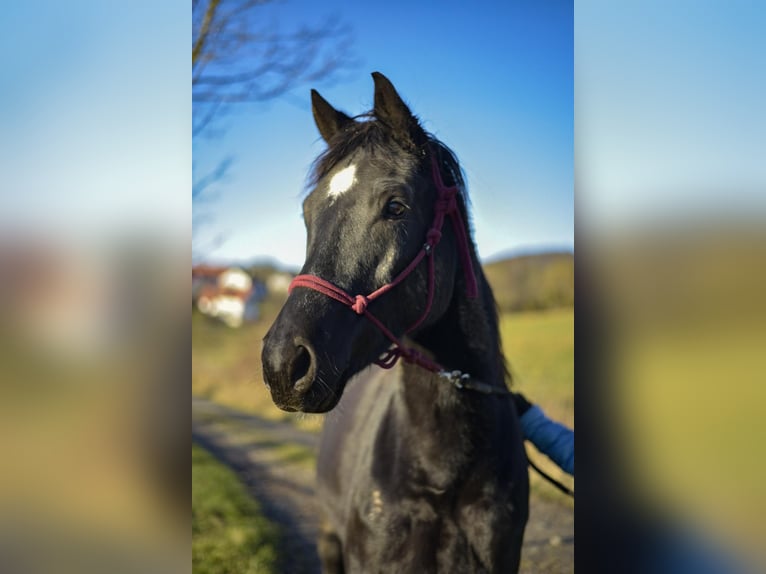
x=298 y=371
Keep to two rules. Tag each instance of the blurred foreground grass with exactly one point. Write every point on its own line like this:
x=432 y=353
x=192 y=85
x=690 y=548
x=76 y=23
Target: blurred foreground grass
x=228 y=533
x=685 y=312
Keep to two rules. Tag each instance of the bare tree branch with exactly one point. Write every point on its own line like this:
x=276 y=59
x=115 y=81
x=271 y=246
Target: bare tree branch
x=204 y=33
x=241 y=56
x=202 y=185
x=206 y=116
x=238 y=57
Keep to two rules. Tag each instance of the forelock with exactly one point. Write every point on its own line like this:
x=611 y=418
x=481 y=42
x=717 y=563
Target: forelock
x=370 y=136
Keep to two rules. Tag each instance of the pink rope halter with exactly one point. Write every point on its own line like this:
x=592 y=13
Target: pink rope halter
x=445 y=205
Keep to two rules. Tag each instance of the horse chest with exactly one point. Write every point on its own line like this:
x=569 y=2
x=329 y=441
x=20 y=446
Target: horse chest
x=404 y=501
x=399 y=518
x=407 y=534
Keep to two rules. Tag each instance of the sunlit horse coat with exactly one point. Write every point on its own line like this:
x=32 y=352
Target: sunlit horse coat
x=415 y=475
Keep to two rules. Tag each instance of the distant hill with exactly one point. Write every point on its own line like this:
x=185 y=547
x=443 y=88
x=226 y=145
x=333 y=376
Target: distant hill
x=526 y=282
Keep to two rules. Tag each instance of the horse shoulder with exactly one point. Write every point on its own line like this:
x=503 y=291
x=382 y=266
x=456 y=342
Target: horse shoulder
x=348 y=433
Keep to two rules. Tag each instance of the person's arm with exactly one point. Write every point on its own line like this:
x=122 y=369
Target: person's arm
x=549 y=437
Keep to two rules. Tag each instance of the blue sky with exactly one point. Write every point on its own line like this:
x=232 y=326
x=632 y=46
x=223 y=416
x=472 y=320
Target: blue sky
x=493 y=80
x=95 y=117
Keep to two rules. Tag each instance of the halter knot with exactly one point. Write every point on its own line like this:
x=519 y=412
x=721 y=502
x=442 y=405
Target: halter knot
x=360 y=304
x=433 y=237
x=446 y=204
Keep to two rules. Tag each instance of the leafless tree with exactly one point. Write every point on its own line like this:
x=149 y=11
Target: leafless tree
x=239 y=55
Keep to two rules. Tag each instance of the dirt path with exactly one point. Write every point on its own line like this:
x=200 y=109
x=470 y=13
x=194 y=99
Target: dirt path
x=273 y=460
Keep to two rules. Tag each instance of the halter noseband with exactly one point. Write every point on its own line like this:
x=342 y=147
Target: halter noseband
x=445 y=205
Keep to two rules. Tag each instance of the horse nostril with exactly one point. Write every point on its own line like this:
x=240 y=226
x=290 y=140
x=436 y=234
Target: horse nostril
x=301 y=364
x=302 y=370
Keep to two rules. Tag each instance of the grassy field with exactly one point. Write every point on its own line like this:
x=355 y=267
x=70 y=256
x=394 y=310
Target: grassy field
x=539 y=347
x=228 y=534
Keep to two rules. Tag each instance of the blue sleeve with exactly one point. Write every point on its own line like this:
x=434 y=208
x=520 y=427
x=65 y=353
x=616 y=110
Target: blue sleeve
x=549 y=437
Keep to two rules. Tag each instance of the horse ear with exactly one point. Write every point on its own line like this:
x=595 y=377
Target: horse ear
x=391 y=110
x=329 y=121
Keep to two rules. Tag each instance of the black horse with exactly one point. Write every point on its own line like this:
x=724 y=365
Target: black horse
x=420 y=470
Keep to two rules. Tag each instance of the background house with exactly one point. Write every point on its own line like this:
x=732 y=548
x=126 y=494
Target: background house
x=226 y=293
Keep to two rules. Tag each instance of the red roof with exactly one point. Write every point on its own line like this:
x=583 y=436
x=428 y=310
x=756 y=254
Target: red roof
x=208 y=270
x=213 y=291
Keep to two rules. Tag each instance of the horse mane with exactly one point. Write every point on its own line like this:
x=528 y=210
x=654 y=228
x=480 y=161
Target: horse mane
x=366 y=132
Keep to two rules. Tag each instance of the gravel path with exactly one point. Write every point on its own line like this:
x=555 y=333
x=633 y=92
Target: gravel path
x=283 y=483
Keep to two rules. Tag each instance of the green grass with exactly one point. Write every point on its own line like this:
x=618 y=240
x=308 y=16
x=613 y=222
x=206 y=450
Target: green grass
x=539 y=346
x=229 y=535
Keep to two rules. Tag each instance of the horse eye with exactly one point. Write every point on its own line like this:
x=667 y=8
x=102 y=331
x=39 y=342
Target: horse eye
x=395 y=208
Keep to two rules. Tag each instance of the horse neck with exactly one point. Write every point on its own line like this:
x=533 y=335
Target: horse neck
x=441 y=418
x=466 y=337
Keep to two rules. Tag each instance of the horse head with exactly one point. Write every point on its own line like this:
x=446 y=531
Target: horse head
x=370 y=215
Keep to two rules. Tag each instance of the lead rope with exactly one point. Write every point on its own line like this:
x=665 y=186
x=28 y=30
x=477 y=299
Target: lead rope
x=550 y=479
x=464 y=381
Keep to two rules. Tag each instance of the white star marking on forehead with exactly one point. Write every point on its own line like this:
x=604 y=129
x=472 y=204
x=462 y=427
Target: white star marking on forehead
x=342 y=181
